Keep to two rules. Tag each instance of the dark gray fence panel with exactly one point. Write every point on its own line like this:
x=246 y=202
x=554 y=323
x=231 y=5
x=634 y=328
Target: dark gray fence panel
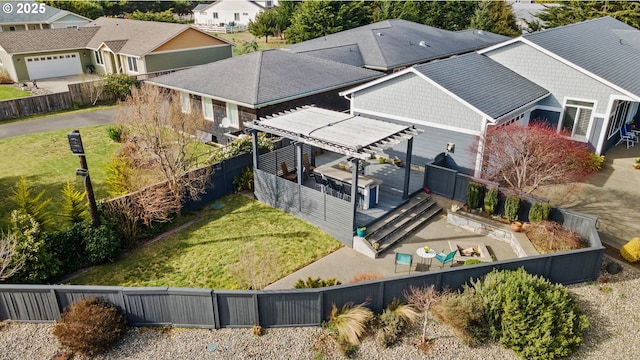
x=341 y=213
x=439 y=180
x=67 y=295
x=237 y=309
x=191 y=308
x=313 y=202
x=580 y=223
x=575 y=266
x=147 y=306
x=295 y=308
x=368 y=293
x=460 y=190
x=33 y=303
x=265 y=187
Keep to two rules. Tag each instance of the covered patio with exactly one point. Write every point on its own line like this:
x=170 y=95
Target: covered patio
x=326 y=174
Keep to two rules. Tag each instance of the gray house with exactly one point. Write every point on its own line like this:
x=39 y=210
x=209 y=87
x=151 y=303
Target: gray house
x=453 y=101
x=393 y=45
x=591 y=69
x=32 y=15
x=259 y=84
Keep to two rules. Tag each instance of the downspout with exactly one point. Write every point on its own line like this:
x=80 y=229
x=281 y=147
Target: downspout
x=479 y=155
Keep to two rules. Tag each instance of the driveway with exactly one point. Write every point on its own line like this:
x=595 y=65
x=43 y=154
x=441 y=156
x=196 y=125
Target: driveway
x=59 y=84
x=55 y=122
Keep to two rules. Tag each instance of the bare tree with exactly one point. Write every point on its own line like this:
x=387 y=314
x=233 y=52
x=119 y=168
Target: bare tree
x=10 y=260
x=526 y=157
x=160 y=140
x=422 y=298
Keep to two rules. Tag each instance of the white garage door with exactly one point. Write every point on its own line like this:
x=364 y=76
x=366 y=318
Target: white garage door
x=47 y=66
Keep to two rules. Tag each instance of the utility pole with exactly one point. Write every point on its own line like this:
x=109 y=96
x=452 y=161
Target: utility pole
x=75 y=142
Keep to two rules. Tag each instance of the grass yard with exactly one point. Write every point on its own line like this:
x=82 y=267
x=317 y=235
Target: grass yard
x=211 y=252
x=46 y=162
x=244 y=36
x=9 y=92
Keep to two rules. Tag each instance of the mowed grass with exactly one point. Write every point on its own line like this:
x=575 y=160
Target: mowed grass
x=46 y=162
x=240 y=38
x=209 y=253
x=8 y=92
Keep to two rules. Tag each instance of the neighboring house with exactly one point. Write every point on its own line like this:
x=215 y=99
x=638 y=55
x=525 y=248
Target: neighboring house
x=31 y=15
x=592 y=70
x=107 y=46
x=262 y=83
x=237 y=12
x=393 y=45
x=453 y=101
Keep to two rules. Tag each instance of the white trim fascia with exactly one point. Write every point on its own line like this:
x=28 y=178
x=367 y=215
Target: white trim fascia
x=45 y=51
x=520 y=108
x=192 y=48
x=580 y=69
x=376 y=81
x=547 y=107
x=200 y=94
x=456 y=97
x=415 y=121
x=499 y=45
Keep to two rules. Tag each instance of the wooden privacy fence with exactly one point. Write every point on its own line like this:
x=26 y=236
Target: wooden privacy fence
x=32 y=105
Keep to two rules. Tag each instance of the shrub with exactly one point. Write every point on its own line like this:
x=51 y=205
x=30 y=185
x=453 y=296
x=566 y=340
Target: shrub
x=491 y=201
x=475 y=192
x=119 y=176
x=91 y=326
x=511 y=207
x=39 y=264
x=101 y=243
x=29 y=204
x=392 y=322
x=530 y=315
x=69 y=248
x=631 y=250
x=347 y=325
x=118 y=86
x=539 y=212
x=549 y=236
x=244 y=181
x=597 y=161
x=4 y=77
x=257 y=330
x=243 y=145
x=473 y=262
x=366 y=276
x=115 y=132
x=463 y=313
x=311 y=283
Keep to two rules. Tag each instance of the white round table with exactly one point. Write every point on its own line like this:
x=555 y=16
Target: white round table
x=426 y=255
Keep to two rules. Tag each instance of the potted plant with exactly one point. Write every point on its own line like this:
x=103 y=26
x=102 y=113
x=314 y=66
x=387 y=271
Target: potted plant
x=376 y=245
x=636 y=165
x=516 y=226
x=361 y=231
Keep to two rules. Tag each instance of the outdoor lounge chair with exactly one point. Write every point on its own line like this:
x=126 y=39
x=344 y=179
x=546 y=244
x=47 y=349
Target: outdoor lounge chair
x=403 y=259
x=446 y=258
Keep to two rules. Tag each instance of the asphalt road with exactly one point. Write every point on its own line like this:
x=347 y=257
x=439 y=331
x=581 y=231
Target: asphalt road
x=55 y=122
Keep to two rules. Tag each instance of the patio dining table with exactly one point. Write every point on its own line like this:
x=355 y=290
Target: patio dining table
x=369 y=186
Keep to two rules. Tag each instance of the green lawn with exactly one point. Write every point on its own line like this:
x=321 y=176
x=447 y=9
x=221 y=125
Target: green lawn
x=8 y=92
x=210 y=252
x=244 y=36
x=46 y=162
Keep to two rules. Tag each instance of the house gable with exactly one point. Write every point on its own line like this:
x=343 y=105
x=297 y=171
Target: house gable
x=189 y=38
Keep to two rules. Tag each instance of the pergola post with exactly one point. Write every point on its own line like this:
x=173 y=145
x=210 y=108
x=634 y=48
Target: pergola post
x=299 y=168
x=354 y=189
x=407 y=168
x=254 y=147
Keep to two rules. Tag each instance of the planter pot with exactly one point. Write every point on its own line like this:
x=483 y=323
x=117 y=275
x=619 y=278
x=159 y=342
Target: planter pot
x=516 y=226
x=361 y=232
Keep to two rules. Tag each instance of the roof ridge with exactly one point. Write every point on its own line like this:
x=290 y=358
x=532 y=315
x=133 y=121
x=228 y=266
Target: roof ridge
x=256 y=93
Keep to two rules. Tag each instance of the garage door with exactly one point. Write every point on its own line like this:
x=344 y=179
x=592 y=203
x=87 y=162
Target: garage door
x=47 y=66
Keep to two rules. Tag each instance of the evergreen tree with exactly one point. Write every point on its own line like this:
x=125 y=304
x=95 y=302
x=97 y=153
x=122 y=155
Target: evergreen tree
x=28 y=204
x=265 y=24
x=75 y=207
x=573 y=11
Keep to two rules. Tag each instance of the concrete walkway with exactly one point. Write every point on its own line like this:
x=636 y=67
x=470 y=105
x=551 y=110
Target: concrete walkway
x=54 y=122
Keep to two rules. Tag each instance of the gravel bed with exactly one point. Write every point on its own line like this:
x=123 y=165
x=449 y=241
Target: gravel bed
x=611 y=304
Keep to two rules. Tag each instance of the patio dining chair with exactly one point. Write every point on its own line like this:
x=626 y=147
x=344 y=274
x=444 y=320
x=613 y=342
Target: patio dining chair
x=345 y=191
x=320 y=181
x=624 y=137
x=403 y=259
x=632 y=132
x=445 y=258
x=335 y=187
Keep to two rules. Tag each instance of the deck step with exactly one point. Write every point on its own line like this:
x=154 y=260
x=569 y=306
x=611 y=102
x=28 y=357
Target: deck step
x=402 y=223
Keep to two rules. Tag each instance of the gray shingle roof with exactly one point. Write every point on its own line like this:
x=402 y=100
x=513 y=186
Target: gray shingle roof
x=15 y=42
x=115 y=45
x=263 y=77
x=605 y=47
x=483 y=83
x=200 y=7
x=393 y=43
x=14 y=17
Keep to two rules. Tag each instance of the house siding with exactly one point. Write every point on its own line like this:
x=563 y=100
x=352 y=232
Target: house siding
x=186 y=58
x=226 y=10
x=69 y=20
x=433 y=141
x=411 y=97
x=190 y=38
x=560 y=79
x=21 y=67
x=330 y=100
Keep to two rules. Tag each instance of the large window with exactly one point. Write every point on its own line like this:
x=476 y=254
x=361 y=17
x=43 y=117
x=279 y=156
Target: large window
x=236 y=16
x=207 y=108
x=99 y=59
x=576 y=118
x=232 y=114
x=619 y=115
x=132 y=64
x=215 y=15
x=186 y=102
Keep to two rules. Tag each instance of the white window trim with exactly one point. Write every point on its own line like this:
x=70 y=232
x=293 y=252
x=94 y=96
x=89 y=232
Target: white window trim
x=593 y=113
x=234 y=122
x=99 y=57
x=132 y=60
x=185 y=99
x=206 y=106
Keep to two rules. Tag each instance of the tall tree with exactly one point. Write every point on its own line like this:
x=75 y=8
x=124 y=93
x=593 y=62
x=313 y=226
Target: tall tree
x=312 y=19
x=265 y=24
x=496 y=17
x=526 y=157
x=449 y=15
x=573 y=11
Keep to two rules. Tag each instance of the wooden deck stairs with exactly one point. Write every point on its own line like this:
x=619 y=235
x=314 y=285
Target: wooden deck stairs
x=402 y=223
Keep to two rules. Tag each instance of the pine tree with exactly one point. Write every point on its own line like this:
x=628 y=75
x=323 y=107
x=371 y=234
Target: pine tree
x=75 y=207
x=28 y=204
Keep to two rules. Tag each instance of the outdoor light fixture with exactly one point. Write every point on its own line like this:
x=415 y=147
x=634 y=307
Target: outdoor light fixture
x=75 y=142
x=82 y=172
x=451 y=147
